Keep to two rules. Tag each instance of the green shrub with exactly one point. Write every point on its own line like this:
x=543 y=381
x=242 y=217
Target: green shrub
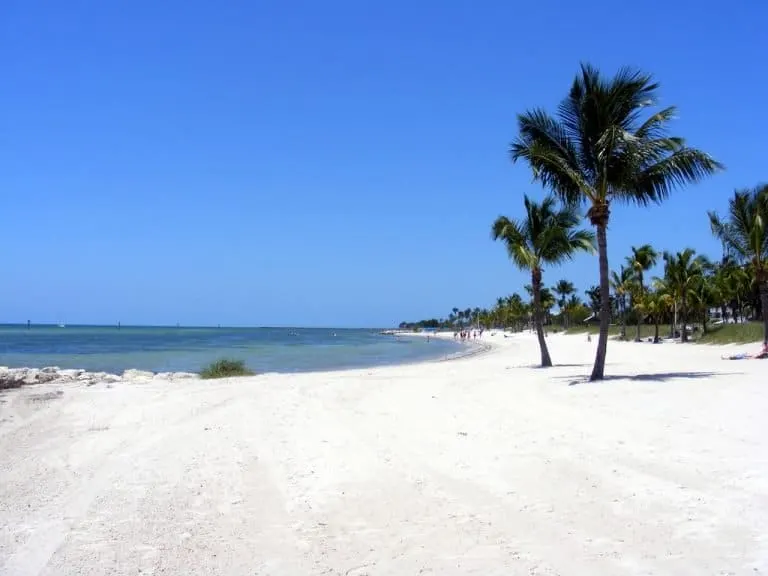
x=225 y=369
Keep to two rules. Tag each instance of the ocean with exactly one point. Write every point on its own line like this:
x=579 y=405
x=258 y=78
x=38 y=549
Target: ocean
x=169 y=349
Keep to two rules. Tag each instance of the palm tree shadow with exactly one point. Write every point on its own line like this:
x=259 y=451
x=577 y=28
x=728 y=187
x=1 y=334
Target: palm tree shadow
x=557 y=365
x=657 y=377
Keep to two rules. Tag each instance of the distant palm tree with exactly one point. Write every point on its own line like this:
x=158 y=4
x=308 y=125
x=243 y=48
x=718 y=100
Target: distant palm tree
x=655 y=304
x=621 y=283
x=682 y=272
x=563 y=289
x=600 y=149
x=745 y=235
x=640 y=261
x=594 y=299
x=546 y=235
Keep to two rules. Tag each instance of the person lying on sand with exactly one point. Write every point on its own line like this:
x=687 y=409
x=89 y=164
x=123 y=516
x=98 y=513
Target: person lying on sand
x=745 y=356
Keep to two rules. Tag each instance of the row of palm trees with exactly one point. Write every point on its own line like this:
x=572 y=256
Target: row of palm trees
x=606 y=143
x=690 y=288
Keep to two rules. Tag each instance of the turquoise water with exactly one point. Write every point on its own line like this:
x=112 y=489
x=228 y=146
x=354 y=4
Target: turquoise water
x=164 y=349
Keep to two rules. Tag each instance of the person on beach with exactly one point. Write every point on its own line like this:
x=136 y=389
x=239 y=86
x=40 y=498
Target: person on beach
x=745 y=356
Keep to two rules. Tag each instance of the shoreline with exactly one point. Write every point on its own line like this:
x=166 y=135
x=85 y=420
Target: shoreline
x=17 y=377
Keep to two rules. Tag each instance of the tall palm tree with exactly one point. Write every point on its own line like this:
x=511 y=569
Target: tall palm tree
x=563 y=289
x=641 y=260
x=602 y=148
x=545 y=235
x=745 y=235
x=682 y=273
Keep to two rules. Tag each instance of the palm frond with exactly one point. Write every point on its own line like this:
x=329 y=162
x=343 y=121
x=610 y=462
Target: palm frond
x=656 y=181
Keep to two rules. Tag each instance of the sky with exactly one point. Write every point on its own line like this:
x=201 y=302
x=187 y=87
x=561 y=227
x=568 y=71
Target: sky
x=331 y=163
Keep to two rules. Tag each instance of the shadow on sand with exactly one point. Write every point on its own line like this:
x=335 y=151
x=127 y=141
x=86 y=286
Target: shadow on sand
x=557 y=365
x=656 y=377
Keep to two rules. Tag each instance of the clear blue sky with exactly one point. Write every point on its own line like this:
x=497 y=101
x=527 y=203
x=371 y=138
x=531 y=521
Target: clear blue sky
x=326 y=163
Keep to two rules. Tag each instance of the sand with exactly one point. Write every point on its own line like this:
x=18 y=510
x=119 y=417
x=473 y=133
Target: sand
x=483 y=465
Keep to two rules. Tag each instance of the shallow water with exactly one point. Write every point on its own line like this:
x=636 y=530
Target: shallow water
x=170 y=349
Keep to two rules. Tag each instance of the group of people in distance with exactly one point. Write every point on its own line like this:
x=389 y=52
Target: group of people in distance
x=468 y=334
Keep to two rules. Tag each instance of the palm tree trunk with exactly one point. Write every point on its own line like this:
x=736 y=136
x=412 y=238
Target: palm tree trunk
x=601 y=223
x=684 y=314
x=639 y=316
x=623 y=314
x=764 y=305
x=546 y=361
x=656 y=330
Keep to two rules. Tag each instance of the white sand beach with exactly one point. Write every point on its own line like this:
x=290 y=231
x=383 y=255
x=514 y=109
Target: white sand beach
x=483 y=465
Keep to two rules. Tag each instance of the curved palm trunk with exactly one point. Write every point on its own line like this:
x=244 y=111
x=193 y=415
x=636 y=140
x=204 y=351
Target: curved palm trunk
x=656 y=330
x=546 y=361
x=605 y=300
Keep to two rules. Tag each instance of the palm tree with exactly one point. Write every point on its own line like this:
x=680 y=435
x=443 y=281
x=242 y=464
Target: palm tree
x=621 y=283
x=745 y=235
x=703 y=296
x=518 y=311
x=682 y=273
x=546 y=235
x=650 y=304
x=601 y=149
x=563 y=289
x=572 y=306
x=547 y=302
x=594 y=299
x=642 y=259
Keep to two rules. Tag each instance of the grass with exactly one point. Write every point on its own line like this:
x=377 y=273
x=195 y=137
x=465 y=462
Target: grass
x=225 y=368
x=734 y=334
x=724 y=334
x=646 y=330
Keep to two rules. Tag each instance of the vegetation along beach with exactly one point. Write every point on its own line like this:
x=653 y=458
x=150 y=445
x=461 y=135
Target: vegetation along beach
x=577 y=385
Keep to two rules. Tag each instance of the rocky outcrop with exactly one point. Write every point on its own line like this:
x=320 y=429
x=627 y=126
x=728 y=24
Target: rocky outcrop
x=17 y=377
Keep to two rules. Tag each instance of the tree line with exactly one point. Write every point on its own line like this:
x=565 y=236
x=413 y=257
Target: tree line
x=607 y=142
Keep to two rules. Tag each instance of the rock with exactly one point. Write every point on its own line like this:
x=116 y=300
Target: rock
x=11 y=379
x=138 y=375
x=31 y=375
x=46 y=377
x=70 y=374
x=50 y=370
